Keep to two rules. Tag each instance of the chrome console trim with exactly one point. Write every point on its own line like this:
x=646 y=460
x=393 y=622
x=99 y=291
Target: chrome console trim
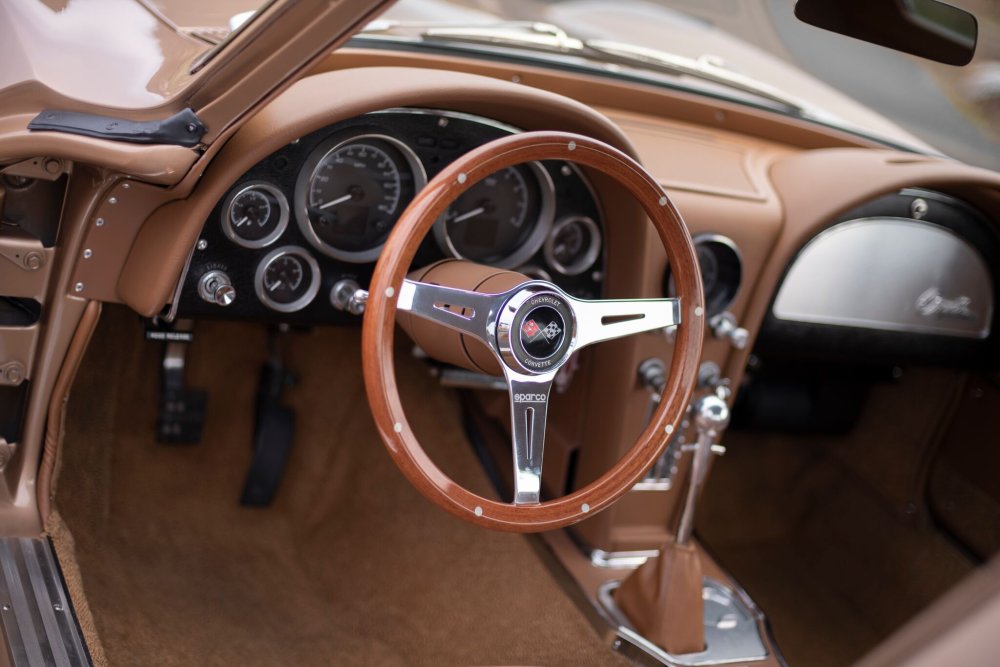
x=734 y=628
x=891 y=274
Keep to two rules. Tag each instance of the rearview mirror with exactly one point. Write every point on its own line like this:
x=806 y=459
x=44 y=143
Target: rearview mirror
x=925 y=28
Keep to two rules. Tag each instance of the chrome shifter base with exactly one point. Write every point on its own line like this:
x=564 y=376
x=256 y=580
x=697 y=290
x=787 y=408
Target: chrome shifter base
x=732 y=629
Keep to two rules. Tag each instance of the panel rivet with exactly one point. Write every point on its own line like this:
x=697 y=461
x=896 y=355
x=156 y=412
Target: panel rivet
x=668 y=429
x=698 y=311
x=88 y=253
x=479 y=510
x=100 y=222
x=113 y=200
x=585 y=507
x=78 y=287
x=663 y=201
x=389 y=291
x=572 y=145
x=462 y=177
x=397 y=427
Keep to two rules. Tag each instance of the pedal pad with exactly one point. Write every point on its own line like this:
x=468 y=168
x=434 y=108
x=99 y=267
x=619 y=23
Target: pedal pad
x=182 y=408
x=274 y=431
x=182 y=416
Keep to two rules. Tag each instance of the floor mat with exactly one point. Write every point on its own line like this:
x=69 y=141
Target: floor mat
x=350 y=566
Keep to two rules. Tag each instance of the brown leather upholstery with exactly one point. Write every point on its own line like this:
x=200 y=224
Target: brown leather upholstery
x=663 y=601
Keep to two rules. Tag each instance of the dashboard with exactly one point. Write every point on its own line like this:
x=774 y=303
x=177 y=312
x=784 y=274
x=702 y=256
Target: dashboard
x=313 y=216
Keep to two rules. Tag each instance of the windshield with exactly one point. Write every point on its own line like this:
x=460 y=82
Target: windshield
x=952 y=110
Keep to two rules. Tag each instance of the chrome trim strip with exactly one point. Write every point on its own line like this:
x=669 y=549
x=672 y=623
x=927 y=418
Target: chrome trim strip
x=621 y=560
x=39 y=623
x=734 y=628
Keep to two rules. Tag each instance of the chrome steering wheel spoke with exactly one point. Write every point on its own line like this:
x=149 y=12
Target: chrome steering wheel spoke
x=472 y=313
x=529 y=402
x=598 y=321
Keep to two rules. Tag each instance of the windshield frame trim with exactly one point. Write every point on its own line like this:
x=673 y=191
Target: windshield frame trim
x=510 y=55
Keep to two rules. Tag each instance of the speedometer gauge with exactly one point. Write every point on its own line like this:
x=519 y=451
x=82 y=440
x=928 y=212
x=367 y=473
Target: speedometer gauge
x=502 y=220
x=350 y=193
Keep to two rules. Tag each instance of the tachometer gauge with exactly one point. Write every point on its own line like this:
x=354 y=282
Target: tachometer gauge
x=287 y=279
x=502 y=220
x=254 y=214
x=351 y=192
x=573 y=245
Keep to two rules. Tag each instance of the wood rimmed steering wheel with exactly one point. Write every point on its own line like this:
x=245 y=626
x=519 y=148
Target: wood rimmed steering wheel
x=532 y=329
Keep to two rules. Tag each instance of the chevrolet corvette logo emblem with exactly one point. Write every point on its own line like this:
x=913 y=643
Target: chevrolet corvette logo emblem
x=532 y=332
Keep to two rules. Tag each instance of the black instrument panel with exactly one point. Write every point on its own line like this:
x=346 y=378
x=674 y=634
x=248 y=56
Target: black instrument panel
x=318 y=211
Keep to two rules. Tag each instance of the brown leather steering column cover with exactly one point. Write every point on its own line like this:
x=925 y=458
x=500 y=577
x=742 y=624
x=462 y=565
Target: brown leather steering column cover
x=448 y=345
x=380 y=320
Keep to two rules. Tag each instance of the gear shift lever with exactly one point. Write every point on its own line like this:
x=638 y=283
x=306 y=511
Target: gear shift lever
x=711 y=416
x=663 y=598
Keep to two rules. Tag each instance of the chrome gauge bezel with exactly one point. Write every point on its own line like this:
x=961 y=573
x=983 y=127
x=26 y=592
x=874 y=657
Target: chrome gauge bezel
x=283 y=214
x=587 y=259
x=546 y=214
x=306 y=174
x=314 y=284
x=712 y=237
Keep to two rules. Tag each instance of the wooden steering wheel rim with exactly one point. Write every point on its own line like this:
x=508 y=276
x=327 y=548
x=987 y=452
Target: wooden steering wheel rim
x=380 y=321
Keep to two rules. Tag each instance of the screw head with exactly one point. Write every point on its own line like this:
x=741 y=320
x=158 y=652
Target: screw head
x=88 y=253
x=78 y=287
x=113 y=200
x=33 y=261
x=14 y=373
x=202 y=244
x=100 y=222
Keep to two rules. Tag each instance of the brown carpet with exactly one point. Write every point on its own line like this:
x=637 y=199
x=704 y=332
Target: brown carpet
x=350 y=566
x=831 y=535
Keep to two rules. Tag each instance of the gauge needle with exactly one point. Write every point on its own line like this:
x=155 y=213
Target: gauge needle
x=275 y=286
x=469 y=214
x=338 y=200
x=245 y=219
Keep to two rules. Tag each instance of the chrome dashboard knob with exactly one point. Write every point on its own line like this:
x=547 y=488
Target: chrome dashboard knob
x=724 y=326
x=347 y=295
x=216 y=287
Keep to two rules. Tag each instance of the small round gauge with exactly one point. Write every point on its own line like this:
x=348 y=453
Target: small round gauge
x=255 y=214
x=351 y=192
x=573 y=245
x=501 y=220
x=287 y=279
x=721 y=271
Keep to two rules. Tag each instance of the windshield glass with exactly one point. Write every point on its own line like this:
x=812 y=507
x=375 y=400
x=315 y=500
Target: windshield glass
x=892 y=95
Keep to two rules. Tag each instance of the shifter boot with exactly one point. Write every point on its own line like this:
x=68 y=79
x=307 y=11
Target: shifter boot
x=662 y=599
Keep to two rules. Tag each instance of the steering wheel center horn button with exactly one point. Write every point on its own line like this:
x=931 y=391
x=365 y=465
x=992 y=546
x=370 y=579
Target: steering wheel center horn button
x=535 y=331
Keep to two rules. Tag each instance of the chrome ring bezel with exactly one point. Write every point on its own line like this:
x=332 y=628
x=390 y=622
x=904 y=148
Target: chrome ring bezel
x=302 y=301
x=524 y=252
x=587 y=259
x=306 y=174
x=283 y=215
